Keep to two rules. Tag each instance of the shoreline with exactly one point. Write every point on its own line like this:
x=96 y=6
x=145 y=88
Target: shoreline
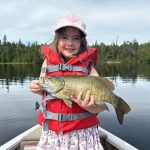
x=15 y=63
x=113 y=62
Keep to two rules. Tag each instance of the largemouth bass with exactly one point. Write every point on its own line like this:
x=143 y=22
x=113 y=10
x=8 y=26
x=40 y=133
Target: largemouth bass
x=64 y=87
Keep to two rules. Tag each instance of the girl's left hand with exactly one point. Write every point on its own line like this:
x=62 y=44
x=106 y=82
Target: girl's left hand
x=87 y=103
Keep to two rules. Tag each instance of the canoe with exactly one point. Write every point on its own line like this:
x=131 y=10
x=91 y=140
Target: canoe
x=29 y=139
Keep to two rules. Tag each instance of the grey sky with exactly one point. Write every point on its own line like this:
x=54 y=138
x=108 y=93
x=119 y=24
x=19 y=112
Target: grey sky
x=34 y=20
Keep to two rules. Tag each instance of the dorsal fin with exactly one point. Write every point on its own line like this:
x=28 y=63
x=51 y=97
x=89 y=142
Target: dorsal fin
x=106 y=83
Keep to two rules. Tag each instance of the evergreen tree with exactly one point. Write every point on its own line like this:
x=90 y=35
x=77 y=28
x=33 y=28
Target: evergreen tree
x=128 y=51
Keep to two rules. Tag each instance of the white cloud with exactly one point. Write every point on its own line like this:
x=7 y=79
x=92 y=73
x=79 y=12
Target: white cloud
x=32 y=20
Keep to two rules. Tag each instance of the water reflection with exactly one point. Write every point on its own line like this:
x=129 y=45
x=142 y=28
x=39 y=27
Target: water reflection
x=128 y=72
x=18 y=73
x=11 y=74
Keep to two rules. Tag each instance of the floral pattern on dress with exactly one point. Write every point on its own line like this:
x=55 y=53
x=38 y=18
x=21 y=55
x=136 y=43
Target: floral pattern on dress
x=83 y=139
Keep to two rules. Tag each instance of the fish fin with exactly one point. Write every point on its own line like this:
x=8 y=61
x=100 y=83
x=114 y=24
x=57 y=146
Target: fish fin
x=68 y=103
x=121 y=109
x=103 y=106
x=106 y=83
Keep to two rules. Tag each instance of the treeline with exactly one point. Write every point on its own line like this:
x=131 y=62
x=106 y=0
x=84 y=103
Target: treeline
x=11 y=52
x=128 y=51
x=19 y=52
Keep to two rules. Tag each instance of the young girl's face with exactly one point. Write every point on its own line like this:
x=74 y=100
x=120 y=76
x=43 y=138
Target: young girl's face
x=69 y=42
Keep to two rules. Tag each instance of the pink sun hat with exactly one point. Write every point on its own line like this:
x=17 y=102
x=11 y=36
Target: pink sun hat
x=71 y=20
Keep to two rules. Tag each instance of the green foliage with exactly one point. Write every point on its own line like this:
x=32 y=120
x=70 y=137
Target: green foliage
x=19 y=52
x=128 y=51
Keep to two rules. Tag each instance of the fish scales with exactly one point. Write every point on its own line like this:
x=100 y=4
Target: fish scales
x=64 y=87
x=78 y=84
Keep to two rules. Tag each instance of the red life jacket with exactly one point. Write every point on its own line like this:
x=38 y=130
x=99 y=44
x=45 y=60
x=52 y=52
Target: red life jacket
x=57 y=105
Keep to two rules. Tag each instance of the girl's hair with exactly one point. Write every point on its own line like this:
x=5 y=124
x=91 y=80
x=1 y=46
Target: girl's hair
x=54 y=43
x=83 y=46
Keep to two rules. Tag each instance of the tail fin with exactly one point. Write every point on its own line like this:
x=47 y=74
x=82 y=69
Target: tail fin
x=121 y=109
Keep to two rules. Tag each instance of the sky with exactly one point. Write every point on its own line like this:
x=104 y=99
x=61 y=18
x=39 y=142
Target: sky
x=106 y=21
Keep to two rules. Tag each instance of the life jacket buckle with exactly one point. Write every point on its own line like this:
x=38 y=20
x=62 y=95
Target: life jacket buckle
x=64 y=117
x=64 y=67
x=59 y=117
x=60 y=66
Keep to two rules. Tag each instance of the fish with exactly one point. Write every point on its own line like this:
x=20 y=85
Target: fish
x=102 y=89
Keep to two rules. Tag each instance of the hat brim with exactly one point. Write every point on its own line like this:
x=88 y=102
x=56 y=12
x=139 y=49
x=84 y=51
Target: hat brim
x=71 y=26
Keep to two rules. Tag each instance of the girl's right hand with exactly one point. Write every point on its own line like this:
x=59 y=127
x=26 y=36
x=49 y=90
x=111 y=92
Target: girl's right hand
x=35 y=87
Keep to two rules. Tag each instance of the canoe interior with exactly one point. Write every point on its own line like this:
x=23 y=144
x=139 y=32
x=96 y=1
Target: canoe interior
x=30 y=141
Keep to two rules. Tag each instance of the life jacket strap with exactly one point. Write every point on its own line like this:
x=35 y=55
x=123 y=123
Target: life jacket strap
x=60 y=117
x=45 y=125
x=63 y=67
x=66 y=117
x=63 y=117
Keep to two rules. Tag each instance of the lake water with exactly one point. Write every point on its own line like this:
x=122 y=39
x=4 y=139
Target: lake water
x=132 y=82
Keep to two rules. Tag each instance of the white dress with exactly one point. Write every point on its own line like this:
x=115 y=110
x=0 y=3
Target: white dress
x=83 y=139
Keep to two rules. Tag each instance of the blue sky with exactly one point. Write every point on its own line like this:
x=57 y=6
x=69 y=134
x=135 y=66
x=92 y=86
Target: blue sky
x=106 y=20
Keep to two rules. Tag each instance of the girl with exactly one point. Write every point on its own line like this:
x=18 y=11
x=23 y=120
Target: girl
x=67 y=128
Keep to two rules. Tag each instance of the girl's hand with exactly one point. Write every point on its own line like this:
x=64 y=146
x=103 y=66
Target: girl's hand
x=87 y=103
x=35 y=87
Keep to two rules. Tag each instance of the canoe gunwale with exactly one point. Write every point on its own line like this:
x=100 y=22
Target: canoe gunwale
x=116 y=141
x=15 y=142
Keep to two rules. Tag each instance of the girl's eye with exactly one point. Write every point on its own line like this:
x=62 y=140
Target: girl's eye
x=64 y=37
x=73 y=38
x=77 y=38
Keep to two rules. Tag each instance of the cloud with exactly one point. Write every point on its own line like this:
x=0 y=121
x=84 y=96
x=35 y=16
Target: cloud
x=32 y=20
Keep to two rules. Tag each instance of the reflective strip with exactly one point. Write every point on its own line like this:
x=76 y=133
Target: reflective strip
x=63 y=67
x=64 y=117
x=67 y=117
